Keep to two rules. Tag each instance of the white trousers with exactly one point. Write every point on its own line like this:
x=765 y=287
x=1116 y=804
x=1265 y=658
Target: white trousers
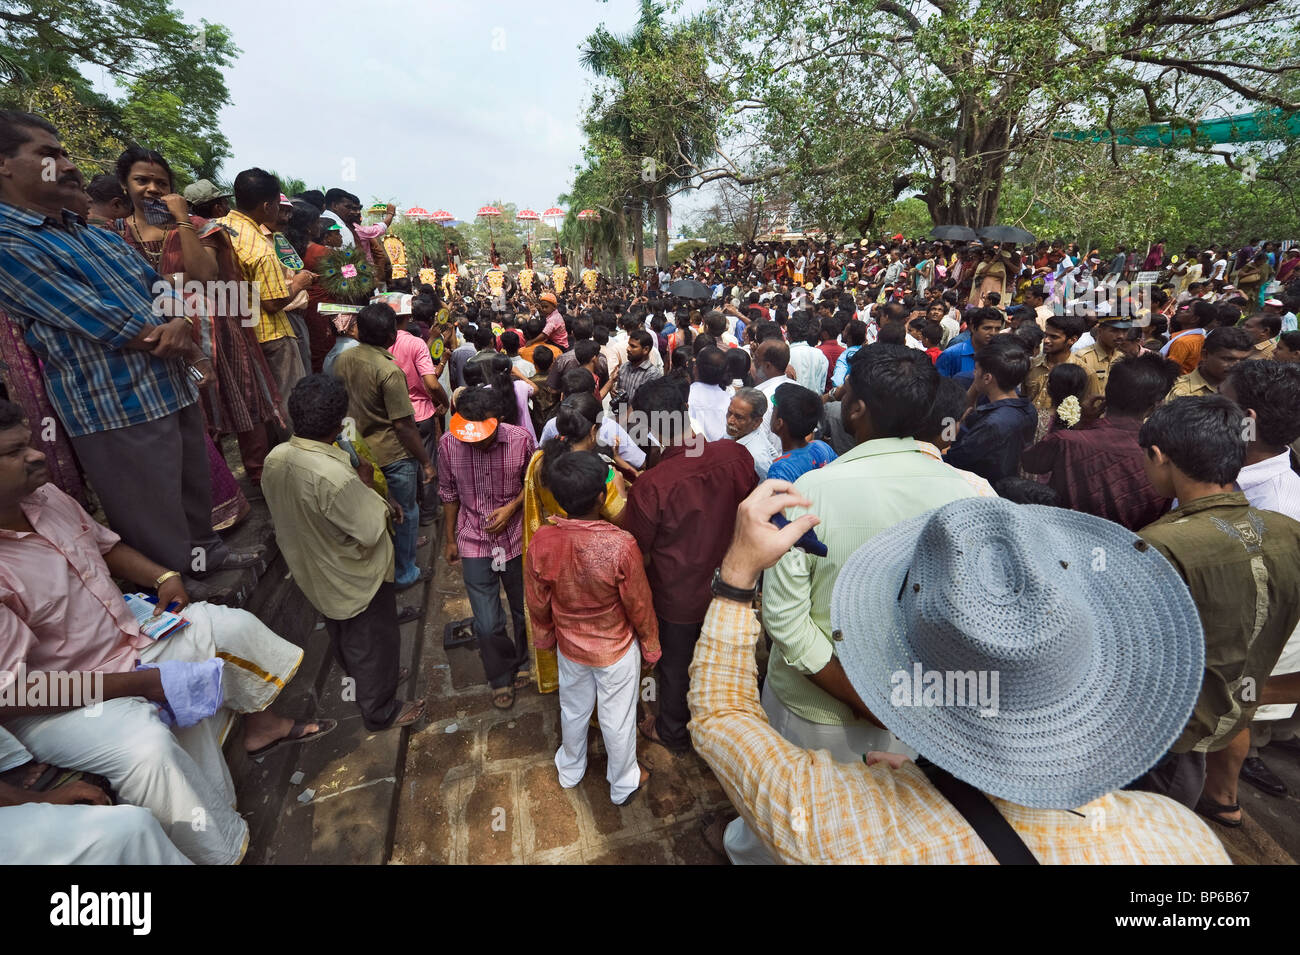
x=40 y=834
x=179 y=775
x=847 y=743
x=612 y=692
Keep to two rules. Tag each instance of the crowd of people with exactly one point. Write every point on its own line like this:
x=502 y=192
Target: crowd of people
x=809 y=488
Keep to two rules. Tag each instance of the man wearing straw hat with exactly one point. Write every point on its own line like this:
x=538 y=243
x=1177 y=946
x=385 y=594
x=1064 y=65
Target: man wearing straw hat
x=980 y=634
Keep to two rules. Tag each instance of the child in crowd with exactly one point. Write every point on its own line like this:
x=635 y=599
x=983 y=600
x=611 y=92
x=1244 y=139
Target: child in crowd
x=588 y=596
x=795 y=413
x=544 y=400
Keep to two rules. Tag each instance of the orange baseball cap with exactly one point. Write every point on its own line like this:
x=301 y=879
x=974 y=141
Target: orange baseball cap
x=472 y=431
x=549 y=297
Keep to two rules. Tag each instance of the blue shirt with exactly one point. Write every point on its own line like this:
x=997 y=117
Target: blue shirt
x=842 y=365
x=957 y=361
x=992 y=436
x=791 y=465
x=79 y=294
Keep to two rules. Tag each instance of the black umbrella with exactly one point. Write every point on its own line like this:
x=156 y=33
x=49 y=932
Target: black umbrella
x=689 y=288
x=1006 y=233
x=953 y=233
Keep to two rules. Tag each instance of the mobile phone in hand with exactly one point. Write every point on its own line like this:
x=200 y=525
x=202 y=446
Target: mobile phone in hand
x=156 y=212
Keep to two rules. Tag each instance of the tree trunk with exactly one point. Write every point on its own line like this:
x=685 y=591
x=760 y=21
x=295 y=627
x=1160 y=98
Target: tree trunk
x=638 y=237
x=661 y=232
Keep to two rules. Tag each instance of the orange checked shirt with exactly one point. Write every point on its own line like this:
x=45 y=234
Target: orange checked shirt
x=807 y=808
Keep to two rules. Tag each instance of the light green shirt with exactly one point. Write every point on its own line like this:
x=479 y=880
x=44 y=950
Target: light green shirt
x=870 y=489
x=331 y=528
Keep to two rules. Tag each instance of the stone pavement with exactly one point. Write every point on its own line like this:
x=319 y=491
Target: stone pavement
x=480 y=785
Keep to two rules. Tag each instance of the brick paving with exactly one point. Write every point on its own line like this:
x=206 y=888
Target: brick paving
x=479 y=784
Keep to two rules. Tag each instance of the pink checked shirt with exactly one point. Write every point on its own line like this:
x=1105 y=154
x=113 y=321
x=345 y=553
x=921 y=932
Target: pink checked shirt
x=59 y=607
x=483 y=481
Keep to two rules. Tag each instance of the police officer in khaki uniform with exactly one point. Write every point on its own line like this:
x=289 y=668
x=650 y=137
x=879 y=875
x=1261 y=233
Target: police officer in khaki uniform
x=1104 y=351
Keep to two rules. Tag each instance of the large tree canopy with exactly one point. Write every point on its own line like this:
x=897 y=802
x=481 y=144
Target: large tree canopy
x=168 y=74
x=859 y=101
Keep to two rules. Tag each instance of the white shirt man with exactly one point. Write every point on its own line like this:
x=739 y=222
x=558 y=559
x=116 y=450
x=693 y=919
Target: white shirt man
x=810 y=366
x=344 y=232
x=708 y=410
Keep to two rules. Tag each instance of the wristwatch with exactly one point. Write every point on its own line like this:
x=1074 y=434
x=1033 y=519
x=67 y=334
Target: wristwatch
x=724 y=590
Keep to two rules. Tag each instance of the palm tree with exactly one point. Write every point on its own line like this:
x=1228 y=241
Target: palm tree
x=674 y=137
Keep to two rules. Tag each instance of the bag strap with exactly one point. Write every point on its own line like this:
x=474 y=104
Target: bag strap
x=989 y=824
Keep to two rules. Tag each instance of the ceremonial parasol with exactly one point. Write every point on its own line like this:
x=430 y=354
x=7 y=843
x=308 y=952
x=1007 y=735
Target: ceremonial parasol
x=417 y=213
x=529 y=216
x=554 y=217
x=441 y=215
x=586 y=214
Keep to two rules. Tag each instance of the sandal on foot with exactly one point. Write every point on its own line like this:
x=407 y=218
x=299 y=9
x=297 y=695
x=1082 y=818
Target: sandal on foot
x=1214 y=812
x=410 y=713
x=523 y=680
x=503 y=697
x=297 y=734
x=407 y=614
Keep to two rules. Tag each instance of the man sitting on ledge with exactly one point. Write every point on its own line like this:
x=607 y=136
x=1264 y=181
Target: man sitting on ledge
x=60 y=613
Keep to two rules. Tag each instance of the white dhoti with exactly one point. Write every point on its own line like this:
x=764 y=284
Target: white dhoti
x=847 y=743
x=40 y=834
x=178 y=775
x=612 y=692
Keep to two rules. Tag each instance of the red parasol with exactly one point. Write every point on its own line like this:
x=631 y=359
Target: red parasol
x=442 y=215
x=415 y=212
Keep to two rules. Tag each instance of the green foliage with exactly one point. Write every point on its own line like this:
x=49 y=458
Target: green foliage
x=681 y=250
x=908 y=216
x=169 y=74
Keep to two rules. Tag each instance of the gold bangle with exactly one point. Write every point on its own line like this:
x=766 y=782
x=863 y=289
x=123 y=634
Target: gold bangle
x=163 y=578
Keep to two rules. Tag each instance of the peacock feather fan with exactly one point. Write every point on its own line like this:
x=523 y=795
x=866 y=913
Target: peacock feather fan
x=346 y=277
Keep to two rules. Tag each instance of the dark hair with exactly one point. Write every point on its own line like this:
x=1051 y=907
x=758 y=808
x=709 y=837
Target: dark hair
x=106 y=188
x=663 y=395
x=333 y=196
x=736 y=365
x=1271 y=323
x=576 y=381
x=799 y=407
x=1029 y=335
x=1020 y=490
x=313 y=197
x=254 y=187
x=134 y=154
x=477 y=404
x=12 y=122
x=11 y=415
x=510 y=342
x=897 y=384
x=318 y=405
x=1228 y=339
x=1006 y=360
x=543 y=358
x=641 y=337
x=715 y=323
x=1070 y=324
x=424 y=309
x=855 y=333
x=1067 y=379
x=483 y=337
x=802 y=328
x=891 y=333
x=494 y=375
x=1291 y=340
x=1204 y=312
x=585 y=350
x=711 y=366
x=582 y=328
x=931 y=333
x=302 y=223
x=831 y=327
x=982 y=316
x=376 y=325
x=1272 y=390
x=576 y=480
x=947 y=408
x=1201 y=436
x=1136 y=385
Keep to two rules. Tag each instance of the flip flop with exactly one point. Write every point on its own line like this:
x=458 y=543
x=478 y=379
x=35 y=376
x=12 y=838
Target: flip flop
x=1214 y=811
x=503 y=697
x=299 y=726
x=407 y=614
x=523 y=679
x=410 y=713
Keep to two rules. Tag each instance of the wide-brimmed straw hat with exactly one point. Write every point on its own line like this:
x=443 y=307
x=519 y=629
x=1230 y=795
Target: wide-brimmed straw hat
x=1094 y=639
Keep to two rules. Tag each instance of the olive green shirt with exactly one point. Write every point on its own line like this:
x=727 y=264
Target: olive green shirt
x=377 y=396
x=330 y=527
x=1242 y=567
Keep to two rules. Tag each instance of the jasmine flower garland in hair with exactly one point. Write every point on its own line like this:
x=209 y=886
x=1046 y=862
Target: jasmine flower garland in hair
x=1070 y=411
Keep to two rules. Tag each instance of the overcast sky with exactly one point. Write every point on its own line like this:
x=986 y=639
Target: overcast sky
x=440 y=104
